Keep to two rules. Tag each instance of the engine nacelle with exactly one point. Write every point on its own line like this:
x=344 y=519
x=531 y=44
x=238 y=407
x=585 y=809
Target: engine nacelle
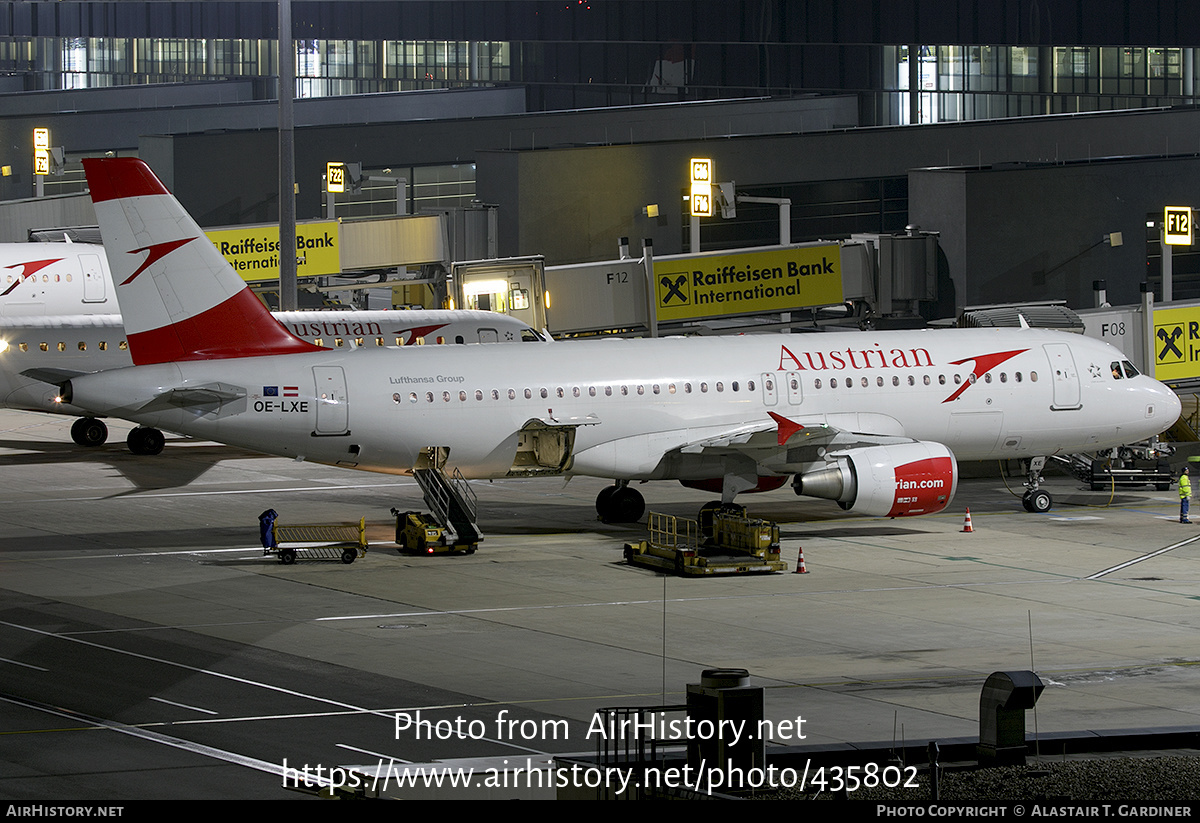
x=889 y=481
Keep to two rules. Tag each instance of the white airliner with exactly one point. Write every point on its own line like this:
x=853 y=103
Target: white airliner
x=874 y=421
x=58 y=311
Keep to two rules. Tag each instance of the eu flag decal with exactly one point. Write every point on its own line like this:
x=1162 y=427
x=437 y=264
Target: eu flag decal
x=270 y=391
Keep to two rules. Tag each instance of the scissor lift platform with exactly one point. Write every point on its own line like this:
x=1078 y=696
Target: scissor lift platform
x=737 y=545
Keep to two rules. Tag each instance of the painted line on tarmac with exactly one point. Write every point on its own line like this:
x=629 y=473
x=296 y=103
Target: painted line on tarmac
x=154 y=737
x=1137 y=560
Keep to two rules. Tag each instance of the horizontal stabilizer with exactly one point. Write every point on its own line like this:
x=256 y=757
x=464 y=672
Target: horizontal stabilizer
x=210 y=394
x=55 y=377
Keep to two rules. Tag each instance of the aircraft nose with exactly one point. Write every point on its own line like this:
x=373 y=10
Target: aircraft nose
x=1169 y=407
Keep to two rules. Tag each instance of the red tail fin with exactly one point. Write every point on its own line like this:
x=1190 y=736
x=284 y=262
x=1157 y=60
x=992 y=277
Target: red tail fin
x=179 y=298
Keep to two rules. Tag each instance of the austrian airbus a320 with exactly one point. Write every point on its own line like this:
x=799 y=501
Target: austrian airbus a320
x=874 y=421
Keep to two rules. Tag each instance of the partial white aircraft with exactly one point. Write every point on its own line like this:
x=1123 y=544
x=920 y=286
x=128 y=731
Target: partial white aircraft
x=874 y=421
x=54 y=278
x=58 y=310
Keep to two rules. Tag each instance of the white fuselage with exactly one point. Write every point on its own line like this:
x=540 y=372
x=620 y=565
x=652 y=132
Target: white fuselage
x=96 y=342
x=637 y=406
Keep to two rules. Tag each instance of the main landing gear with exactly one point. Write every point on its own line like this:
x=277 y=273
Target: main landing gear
x=620 y=504
x=145 y=440
x=89 y=432
x=1036 y=500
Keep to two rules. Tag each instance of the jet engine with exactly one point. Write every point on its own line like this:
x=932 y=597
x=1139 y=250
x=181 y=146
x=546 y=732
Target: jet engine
x=891 y=481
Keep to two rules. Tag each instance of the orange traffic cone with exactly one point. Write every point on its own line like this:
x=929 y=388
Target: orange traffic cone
x=800 y=563
x=967 y=524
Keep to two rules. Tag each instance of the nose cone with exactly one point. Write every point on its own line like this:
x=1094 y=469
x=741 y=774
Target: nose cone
x=1167 y=409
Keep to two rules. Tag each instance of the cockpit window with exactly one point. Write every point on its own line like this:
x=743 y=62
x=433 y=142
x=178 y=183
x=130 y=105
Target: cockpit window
x=1116 y=370
x=1130 y=371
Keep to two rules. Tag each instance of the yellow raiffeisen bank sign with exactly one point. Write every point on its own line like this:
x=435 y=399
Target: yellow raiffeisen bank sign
x=1177 y=343
x=711 y=286
x=253 y=251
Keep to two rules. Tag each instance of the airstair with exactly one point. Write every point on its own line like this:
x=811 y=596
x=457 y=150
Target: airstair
x=449 y=497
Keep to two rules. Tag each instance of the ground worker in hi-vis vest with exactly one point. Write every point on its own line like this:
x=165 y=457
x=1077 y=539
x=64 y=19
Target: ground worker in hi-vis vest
x=1185 y=495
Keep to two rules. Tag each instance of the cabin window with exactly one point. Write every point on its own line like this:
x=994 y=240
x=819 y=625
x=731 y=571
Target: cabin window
x=445 y=397
x=528 y=394
x=412 y=397
x=428 y=397
x=1003 y=377
x=62 y=346
x=720 y=386
x=82 y=346
x=733 y=386
x=123 y=345
x=544 y=394
x=817 y=383
x=641 y=389
x=24 y=347
x=927 y=380
x=865 y=383
x=895 y=380
x=103 y=346
x=1033 y=374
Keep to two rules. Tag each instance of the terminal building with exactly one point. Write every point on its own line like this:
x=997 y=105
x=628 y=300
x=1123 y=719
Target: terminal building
x=1021 y=134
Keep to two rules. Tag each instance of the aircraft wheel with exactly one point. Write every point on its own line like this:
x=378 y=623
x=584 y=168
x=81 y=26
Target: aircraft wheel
x=620 y=505
x=1038 y=502
x=604 y=501
x=88 y=431
x=145 y=440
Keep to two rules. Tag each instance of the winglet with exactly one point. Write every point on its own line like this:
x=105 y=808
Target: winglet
x=786 y=427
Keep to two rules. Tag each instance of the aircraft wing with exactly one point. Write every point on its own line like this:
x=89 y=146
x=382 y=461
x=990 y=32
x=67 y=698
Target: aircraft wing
x=777 y=436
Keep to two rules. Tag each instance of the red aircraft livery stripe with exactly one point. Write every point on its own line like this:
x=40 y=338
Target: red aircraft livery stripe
x=234 y=328
x=29 y=270
x=156 y=252
x=120 y=177
x=984 y=363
